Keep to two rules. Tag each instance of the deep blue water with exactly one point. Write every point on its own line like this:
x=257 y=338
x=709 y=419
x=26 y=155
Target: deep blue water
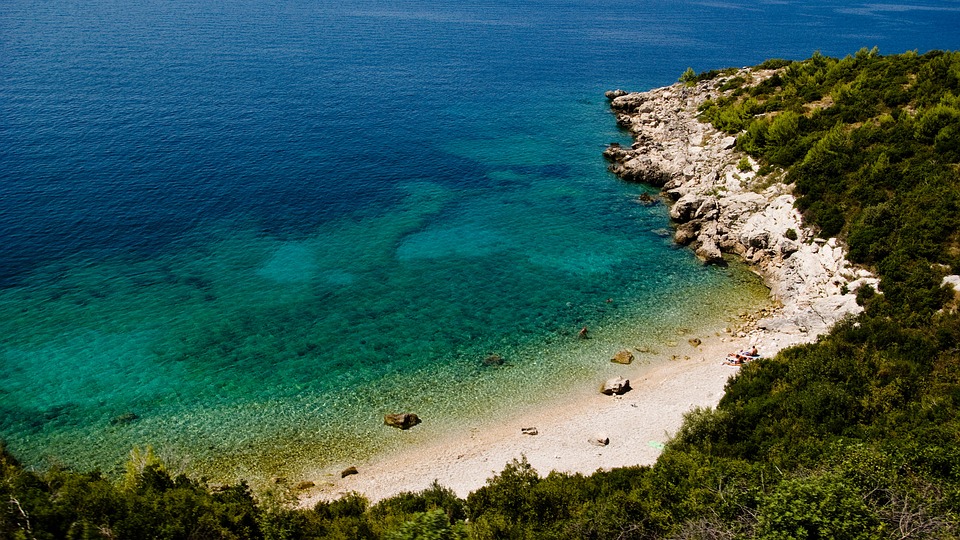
x=260 y=225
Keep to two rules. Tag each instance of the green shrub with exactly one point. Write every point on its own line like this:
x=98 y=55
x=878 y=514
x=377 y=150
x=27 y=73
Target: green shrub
x=817 y=507
x=432 y=525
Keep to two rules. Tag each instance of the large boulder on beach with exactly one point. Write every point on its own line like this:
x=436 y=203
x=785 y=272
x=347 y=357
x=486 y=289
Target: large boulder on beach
x=599 y=439
x=401 y=420
x=615 y=386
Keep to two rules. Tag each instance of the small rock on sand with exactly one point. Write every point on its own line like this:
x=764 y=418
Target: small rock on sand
x=599 y=440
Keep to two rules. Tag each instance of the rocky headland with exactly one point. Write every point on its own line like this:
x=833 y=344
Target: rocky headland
x=721 y=205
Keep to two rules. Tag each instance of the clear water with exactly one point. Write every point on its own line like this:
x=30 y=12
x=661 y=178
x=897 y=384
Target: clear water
x=259 y=226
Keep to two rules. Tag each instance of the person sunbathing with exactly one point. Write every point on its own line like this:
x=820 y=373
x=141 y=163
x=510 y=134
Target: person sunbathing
x=742 y=357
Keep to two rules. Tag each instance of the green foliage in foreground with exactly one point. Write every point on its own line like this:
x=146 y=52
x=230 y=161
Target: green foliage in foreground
x=149 y=503
x=854 y=437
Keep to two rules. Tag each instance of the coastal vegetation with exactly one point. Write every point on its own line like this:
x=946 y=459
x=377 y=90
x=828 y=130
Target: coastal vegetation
x=855 y=436
x=871 y=145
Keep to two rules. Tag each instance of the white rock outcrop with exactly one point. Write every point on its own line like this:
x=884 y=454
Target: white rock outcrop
x=722 y=206
x=952 y=281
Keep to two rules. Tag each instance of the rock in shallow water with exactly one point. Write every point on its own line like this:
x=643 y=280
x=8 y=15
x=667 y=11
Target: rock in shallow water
x=124 y=418
x=709 y=252
x=623 y=357
x=401 y=420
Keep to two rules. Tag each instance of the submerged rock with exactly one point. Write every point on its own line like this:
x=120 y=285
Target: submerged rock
x=493 y=360
x=124 y=418
x=401 y=420
x=348 y=472
x=647 y=200
x=623 y=357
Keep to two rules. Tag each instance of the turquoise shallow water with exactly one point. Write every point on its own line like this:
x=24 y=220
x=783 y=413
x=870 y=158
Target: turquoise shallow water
x=257 y=227
x=238 y=348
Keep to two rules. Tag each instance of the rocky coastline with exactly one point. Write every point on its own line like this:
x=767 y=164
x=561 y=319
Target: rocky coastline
x=721 y=209
x=721 y=205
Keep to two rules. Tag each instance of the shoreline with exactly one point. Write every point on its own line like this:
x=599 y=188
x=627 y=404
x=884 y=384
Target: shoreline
x=719 y=207
x=636 y=423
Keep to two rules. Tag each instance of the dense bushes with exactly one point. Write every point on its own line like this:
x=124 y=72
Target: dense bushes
x=856 y=436
x=871 y=144
x=149 y=503
x=64 y=504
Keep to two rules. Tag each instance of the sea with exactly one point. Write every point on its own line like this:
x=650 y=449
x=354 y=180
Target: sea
x=240 y=232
